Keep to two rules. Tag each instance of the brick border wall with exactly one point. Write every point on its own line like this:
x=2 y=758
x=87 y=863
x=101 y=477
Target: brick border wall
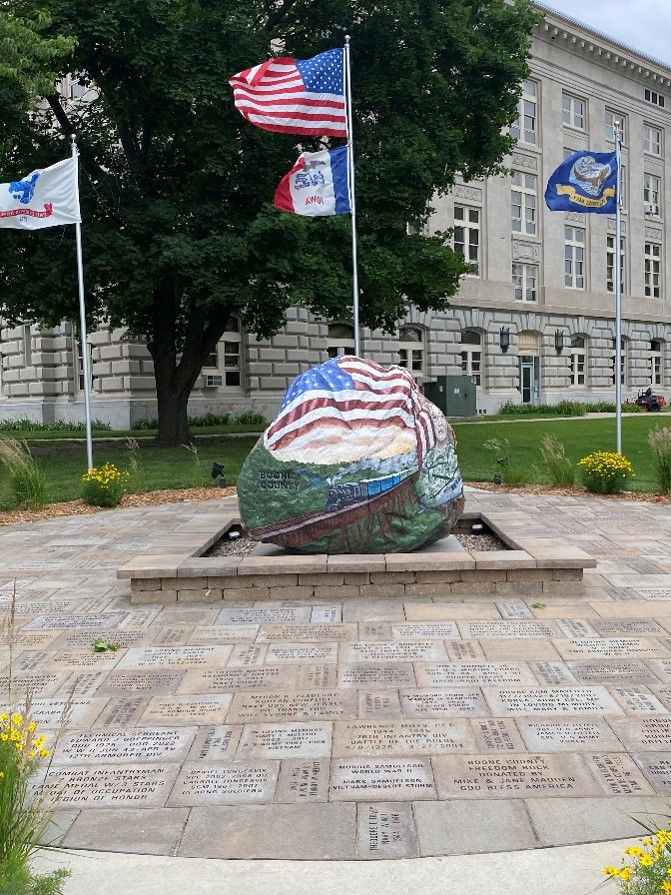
x=532 y=566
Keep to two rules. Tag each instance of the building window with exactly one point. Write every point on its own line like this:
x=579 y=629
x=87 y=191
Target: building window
x=79 y=378
x=610 y=263
x=523 y=199
x=223 y=367
x=609 y=125
x=623 y=362
x=655 y=98
x=27 y=345
x=652 y=139
x=574 y=258
x=652 y=271
x=467 y=237
x=471 y=354
x=573 y=111
x=578 y=360
x=651 y=194
x=340 y=339
x=656 y=364
x=525 y=278
x=411 y=351
x=524 y=128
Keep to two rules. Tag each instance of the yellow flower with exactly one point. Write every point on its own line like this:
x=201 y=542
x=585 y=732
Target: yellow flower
x=625 y=873
x=611 y=871
x=665 y=886
x=647 y=861
x=635 y=851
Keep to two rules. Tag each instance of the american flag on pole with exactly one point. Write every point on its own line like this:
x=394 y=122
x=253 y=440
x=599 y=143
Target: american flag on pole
x=295 y=96
x=354 y=400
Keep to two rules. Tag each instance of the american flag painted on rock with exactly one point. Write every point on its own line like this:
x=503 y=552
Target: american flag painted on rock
x=348 y=398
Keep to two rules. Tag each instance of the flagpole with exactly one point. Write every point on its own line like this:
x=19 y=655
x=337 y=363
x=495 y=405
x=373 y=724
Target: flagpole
x=352 y=199
x=82 y=318
x=618 y=298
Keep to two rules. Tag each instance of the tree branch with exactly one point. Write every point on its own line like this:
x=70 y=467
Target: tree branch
x=279 y=14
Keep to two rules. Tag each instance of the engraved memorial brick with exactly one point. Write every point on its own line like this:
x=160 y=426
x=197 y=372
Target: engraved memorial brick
x=378 y=676
x=109 y=746
x=127 y=785
x=386 y=830
x=303 y=780
x=175 y=656
x=394 y=651
x=216 y=741
x=496 y=735
x=618 y=775
x=407 y=738
x=286 y=615
x=195 y=709
x=304 y=705
x=462 y=674
x=227 y=680
x=550 y=700
x=466 y=702
x=519 y=776
x=574 y=735
x=392 y=779
x=224 y=783
x=309 y=740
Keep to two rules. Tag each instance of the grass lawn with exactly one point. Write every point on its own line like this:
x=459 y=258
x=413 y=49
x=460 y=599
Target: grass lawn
x=64 y=461
x=579 y=437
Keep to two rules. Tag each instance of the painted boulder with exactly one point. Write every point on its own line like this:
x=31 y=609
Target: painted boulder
x=357 y=461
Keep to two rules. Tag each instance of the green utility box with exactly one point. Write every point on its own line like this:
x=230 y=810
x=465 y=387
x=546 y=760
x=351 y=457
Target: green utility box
x=454 y=395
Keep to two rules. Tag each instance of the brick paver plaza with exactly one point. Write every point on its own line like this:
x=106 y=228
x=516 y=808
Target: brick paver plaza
x=364 y=728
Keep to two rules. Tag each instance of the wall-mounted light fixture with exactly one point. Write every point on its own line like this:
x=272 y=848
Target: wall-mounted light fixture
x=504 y=338
x=559 y=340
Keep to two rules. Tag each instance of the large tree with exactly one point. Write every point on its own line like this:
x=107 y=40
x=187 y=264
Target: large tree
x=179 y=232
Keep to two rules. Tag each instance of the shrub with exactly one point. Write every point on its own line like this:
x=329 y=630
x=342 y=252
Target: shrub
x=252 y=418
x=23 y=820
x=558 y=466
x=605 y=472
x=509 y=472
x=660 y=445
x=104 y=486
x=27 y=482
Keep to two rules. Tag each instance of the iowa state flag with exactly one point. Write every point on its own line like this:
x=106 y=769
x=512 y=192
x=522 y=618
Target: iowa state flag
x=295 y=96
x=585 y=182
x=316 y=185
x=47 y=197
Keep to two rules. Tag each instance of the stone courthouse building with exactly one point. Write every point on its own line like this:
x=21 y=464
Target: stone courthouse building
x=534 y=321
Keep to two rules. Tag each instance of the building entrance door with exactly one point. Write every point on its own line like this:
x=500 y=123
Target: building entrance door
x=530 y=379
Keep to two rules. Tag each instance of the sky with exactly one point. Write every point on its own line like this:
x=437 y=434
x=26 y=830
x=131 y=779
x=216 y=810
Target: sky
x=644 y=25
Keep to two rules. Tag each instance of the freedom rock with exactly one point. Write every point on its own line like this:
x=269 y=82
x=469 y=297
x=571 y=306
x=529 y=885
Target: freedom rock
x=357 y=461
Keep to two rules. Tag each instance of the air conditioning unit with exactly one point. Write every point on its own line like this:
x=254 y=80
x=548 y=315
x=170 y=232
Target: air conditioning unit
x=213 y=381
x=650 y=208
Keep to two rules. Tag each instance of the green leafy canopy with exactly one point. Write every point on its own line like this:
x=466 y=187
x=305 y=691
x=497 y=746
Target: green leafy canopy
x=178 y=226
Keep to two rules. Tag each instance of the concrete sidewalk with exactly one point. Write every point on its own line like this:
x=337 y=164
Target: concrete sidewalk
x=576 y=870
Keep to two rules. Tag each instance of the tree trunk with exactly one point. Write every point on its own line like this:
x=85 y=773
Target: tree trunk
x=175 y=380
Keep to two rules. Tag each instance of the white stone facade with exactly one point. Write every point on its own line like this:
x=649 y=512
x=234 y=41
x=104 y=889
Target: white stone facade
x=536 y=274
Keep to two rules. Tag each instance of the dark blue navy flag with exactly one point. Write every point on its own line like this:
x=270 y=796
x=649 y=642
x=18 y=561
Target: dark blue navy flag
x=586 y=182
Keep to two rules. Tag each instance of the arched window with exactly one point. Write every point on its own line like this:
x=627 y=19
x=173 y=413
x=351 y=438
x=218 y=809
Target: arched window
x=578 y=366
x=471 y=354
x=411 y=351
x=340 y=339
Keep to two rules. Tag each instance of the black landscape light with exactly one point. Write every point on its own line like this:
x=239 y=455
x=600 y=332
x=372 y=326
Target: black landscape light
x=504 y=338
x=218 y=470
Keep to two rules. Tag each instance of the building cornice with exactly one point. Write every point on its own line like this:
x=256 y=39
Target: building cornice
x=583 y=40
